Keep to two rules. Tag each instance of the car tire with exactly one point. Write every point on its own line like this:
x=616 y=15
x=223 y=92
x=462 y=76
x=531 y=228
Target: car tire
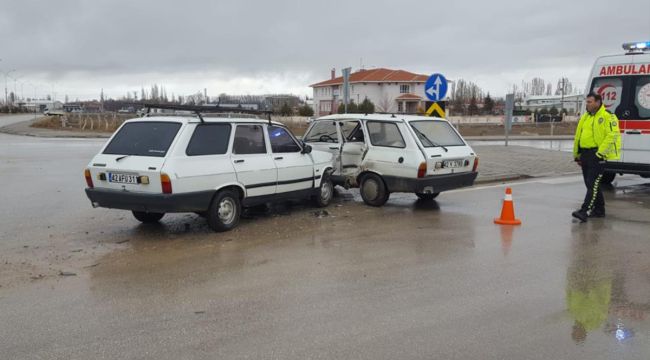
x=148 y=217
x=427 y=197
x=325 y=192
x=373 y=190
x=608 y=178
x=224 y=211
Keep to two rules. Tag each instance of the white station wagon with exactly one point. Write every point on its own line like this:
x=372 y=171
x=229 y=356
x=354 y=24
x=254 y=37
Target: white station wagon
x=382 y=154
x=213 y=166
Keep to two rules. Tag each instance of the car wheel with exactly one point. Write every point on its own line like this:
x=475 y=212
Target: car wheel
x=147 y=217
x=608 y=178
x=325 y=192
x=373 y=190
x=224 y=211
x=428 y=197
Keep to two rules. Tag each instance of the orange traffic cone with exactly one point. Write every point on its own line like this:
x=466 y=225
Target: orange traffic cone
x=507 y=211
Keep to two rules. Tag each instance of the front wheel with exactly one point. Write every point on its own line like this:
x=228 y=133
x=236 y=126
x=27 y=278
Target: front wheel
x=147 y=217
x=428 y=196
x=325 y=192
x=373 y=190
x=224 y=211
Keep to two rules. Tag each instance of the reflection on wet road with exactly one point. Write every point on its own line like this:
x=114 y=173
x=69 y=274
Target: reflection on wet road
x=411 y=280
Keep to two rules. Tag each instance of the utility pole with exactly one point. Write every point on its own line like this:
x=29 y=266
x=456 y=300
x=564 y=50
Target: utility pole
x=562 y=85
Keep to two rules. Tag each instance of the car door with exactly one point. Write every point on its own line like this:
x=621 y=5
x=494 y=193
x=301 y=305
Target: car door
x=252 y=160
x=353 y=147
x=324 y=135
x=295 y=169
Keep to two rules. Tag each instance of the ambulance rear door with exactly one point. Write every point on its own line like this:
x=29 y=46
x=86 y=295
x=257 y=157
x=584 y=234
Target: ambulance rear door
x=625 y=88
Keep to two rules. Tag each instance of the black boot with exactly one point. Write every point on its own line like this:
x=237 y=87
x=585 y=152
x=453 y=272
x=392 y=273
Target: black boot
x=597 y=213
x=580 y=215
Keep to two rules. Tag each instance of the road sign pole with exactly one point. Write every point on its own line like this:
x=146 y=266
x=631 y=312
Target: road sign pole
x=346 y=88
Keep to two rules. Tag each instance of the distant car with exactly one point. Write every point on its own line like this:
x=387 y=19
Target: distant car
x=212 y=166
x=48 y=112
x=383 y=154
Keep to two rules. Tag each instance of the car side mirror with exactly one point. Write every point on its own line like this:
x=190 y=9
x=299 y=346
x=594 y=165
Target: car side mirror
x=306 y=149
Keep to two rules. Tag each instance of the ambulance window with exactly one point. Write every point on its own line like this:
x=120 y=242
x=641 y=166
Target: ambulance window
x=611 y=89
x=642 y=96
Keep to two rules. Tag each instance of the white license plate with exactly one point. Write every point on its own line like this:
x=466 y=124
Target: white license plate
x=453 y=163
x=122 y=178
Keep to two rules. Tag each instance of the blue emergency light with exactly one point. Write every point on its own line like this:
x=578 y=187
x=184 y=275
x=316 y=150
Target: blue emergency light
x=637 y=46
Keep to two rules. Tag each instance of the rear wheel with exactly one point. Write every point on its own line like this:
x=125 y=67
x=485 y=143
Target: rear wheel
x=373 y=190
x=224 y=211
x=608 y=178
x=147 y=217
x=429 y=196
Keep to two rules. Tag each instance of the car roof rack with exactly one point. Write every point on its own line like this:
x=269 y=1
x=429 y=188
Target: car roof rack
x=206 y=109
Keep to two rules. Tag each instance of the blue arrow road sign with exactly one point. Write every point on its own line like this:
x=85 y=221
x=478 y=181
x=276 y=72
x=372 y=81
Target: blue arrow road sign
x=436 y=87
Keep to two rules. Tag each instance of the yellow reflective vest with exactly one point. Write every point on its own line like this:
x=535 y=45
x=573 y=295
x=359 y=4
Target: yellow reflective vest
x=601 y=130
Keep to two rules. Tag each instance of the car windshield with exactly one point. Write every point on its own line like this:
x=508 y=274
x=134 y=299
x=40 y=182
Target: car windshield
x=436 y=133
x=322 y=131
x=143 y=138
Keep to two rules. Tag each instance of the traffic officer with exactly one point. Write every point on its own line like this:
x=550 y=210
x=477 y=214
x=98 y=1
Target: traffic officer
x=597 y=140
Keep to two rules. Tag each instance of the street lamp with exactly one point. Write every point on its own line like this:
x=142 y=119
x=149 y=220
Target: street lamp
x=6 y=75
x=15 y=89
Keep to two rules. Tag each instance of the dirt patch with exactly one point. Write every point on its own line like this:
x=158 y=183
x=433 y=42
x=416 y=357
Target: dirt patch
x=103 y=122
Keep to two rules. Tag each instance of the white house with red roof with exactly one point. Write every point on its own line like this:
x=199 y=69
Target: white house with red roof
x=392 y=91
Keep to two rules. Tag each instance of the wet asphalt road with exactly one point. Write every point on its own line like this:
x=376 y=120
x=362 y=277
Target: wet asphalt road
x=12 y=119
x=411 y=280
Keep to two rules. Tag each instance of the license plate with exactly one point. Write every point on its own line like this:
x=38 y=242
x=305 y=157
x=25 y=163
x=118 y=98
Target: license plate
x=122 y=178
x=453 y=163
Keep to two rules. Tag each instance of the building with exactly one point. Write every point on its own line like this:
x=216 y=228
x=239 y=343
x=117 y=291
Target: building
x=390 y=90
x=40 y=105
x=93 y=106
x=573 y=104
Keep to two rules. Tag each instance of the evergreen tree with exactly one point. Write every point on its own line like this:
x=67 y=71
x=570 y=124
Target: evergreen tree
x=286 y=110
x=306 y=110
x=366 y=107
x=488 y=105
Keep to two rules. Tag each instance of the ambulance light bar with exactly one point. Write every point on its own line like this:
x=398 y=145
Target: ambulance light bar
x=637 y=46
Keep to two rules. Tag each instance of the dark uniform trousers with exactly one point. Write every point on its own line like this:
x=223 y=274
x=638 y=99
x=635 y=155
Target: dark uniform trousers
x=592 y=172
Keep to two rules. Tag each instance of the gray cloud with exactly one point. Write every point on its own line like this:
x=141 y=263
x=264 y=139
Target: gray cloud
x=84 y=45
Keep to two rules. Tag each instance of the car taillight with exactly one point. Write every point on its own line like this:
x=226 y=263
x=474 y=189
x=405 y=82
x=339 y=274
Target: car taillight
x=89 y=178
x=166 y=183
x=475 y=164
x=422 y=169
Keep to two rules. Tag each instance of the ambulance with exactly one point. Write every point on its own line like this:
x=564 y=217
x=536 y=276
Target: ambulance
x=624 y=83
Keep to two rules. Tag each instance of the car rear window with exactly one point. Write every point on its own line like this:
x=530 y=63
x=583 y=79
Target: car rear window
x=209 y=139
x=435 y=133
x=143 y=138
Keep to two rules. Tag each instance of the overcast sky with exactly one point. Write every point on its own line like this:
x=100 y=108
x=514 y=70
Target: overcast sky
x=255 y=47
